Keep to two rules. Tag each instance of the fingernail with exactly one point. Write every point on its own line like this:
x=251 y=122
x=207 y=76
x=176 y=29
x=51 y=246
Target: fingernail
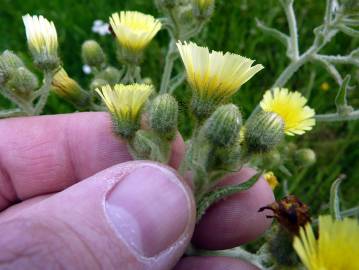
x=149 y=209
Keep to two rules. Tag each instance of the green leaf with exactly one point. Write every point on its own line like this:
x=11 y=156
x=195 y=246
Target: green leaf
x=214 y=196
x=341 y=98
x=334 y=198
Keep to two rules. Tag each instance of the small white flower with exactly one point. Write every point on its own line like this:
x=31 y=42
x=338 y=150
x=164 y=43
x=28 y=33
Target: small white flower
x=100 y=28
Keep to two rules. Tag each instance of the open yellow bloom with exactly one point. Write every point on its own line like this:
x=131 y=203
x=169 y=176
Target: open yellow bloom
x=337 y=247
x=134 y=30
x=41 y=37
x=290 y=106
x=215 y=75
x=125 y=103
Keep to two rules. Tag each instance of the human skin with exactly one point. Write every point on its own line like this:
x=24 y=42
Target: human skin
x=71 y=198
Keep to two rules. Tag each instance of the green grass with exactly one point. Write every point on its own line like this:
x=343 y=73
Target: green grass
x=232 y=28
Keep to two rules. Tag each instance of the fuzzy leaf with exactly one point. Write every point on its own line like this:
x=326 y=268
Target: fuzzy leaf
x=214 y=196
x=335 y=200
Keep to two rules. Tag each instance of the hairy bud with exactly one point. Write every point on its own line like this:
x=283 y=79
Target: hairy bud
x=305 y=157
x=23 y=81
x=92 y=54
x=263 y=132
x=110 y=74
x=9 y=62
x=223 y=126
x=164 y=115
x=203 y=9
x=97 y=83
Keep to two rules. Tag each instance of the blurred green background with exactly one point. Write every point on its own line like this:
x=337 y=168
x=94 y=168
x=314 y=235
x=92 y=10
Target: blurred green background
x=232 y=28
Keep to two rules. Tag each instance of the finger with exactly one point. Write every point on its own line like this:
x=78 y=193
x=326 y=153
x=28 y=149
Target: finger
x=213 y=263
x=40 y=155
x=136 y=215
x=236 y=220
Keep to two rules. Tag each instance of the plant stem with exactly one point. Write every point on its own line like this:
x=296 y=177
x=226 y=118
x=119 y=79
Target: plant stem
x=293 y=30
x=335 y=117
x=170 y=58
x=44 y=92
x=177 y=81
x=24 y=105
x=11 y=113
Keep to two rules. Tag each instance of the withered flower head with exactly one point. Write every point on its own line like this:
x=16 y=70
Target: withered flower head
x=290 y=212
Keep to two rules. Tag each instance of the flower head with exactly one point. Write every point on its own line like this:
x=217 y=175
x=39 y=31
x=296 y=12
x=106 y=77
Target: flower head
x=69 y=89
x=134 y=30
x=215 y=75
x=42 y=40
x=290 y=106
x=271 y=180
x=203 y=8
x=125 y=103
x=290 y=212
x=63 y=85
x=336 y=248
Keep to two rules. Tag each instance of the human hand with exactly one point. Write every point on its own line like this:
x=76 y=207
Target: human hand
x=64 y=206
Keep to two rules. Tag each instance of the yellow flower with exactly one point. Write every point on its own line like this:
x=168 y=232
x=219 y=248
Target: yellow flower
x=63 y=85
x=134 y=30
x=125 y=103
x=324 y=86
x=290 y=106
x=271 y=180
x=337 y=247
x=215 y=75
x=41 y=37
x=69 y=89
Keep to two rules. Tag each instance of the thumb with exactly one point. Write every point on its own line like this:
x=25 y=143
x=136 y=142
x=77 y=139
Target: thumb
x=136 y=215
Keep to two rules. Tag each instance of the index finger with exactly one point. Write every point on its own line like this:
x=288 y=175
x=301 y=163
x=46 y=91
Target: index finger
x=45 y=154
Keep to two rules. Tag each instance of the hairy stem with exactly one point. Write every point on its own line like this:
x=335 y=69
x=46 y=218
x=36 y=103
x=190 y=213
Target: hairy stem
x=44 y=92
x=293 y=30
x=335 y=117
x=11 y=113
x=24 y=105
x=170 y=58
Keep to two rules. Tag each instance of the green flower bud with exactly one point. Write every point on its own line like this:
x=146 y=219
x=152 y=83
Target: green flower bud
x=202 y=108
x=97 y=83
x=9 y=62
x=92 y=54
x=203 y=9
x=110 y=74
x=223 y=126
x=305 y=157
x=164 y=115
x=263 y=132
x=23 y=81
x=147 y=80
x=271 y=159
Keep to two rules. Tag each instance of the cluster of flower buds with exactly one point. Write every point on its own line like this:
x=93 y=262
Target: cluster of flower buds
x=18 y=83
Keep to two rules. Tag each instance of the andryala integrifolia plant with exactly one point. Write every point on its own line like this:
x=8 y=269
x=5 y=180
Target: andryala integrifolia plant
x=146 y=117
